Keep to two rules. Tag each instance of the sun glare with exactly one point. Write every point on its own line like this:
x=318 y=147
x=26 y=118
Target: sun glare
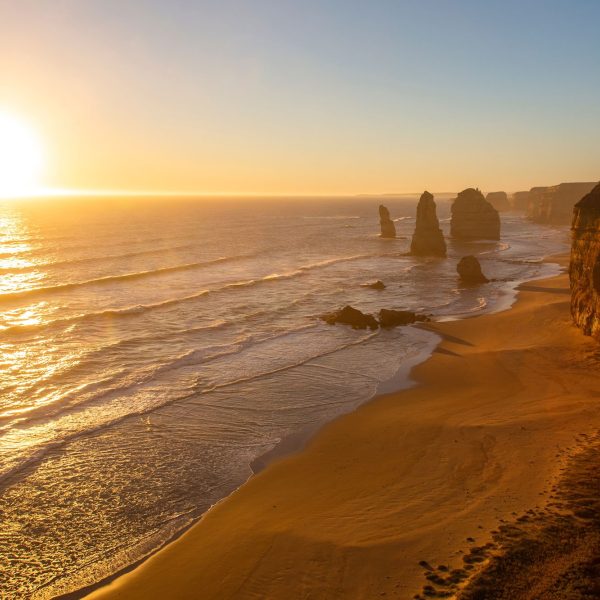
x=21 y=157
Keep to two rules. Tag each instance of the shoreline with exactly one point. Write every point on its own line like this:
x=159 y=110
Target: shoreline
x=307 y=438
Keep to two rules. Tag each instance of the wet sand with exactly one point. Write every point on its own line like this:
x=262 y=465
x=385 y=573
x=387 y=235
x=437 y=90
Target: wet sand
x=408 y=482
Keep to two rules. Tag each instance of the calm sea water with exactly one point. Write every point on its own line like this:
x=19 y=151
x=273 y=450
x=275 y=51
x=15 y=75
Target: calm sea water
x=152 y=349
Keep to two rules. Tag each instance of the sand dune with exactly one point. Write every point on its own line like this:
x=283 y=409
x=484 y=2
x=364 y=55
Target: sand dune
x=404 y=479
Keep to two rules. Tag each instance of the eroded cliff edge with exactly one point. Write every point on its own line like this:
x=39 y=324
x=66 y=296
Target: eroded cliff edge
x=584 y=267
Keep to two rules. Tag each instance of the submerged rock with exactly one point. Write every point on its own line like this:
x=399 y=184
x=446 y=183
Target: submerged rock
x=428 y=239
x=388 y=229
x=395 y=318
x=584 y=267
x=375 y=285
x=351 y=316
x=470 y=271
x=473 y=217
x=499 y=200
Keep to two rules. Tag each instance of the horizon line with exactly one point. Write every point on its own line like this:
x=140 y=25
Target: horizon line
x=103 y=193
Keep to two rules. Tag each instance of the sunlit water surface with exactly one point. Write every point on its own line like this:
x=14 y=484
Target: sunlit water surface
x=151 y=350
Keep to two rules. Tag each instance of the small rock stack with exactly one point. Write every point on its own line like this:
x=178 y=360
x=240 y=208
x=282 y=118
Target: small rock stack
x=428 y=239
x=388 y=229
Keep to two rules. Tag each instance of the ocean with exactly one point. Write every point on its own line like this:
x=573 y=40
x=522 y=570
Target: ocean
x=154 y=349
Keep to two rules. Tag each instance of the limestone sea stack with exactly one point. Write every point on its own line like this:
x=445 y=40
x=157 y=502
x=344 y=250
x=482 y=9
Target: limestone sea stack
x=499 y=200
x=428 y=239
x=388 y=229
x=584 y=268
x=469 y=271
x=473 y=217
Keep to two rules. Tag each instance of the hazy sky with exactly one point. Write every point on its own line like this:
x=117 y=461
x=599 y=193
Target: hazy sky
x=307 y=96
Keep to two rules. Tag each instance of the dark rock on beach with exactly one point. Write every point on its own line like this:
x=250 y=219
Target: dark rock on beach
x=428 y=239
x=375 y=285
x=351 y=316
x=584 y=268
x=388 y=229
x=470 y=271
x=473 y=217
x=395 y=318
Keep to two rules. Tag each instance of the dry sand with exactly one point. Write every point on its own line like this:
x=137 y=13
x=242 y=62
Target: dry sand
x=405 y=478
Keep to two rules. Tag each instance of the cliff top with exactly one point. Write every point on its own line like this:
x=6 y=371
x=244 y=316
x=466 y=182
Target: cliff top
x=591 y=200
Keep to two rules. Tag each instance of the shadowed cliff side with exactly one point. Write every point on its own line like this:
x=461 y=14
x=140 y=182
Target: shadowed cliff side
x=584 y=268
x=428 y=239
x=473 y=218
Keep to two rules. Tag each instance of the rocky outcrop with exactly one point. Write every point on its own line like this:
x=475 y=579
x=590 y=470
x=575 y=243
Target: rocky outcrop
x=353 y=317
x=499 y=200
x=553 y=205
x=584 y=268
x=388 y=229
x=469 y=270
x=375 y=285
x=394 y=318
x=473 y=218
x=428 y=239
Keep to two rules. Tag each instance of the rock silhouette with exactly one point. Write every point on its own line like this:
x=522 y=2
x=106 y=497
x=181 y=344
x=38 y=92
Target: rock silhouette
x=499 y=200
x=388 y=229
x=353 y=317
x=473 y=218
x=584 y=267
x=394 y=318
x=428 y=239
x=469 y=270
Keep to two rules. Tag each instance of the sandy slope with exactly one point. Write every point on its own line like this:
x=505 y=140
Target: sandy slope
x=405 y=478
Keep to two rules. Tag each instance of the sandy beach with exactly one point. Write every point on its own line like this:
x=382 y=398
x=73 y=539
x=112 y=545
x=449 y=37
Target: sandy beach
x=418 y=475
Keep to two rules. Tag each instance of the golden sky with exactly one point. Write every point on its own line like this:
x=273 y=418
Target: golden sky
x=305 y=98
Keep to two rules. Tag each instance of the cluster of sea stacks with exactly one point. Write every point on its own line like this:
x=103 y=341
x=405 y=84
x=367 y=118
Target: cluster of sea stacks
x=584 y=268
x=473 y=217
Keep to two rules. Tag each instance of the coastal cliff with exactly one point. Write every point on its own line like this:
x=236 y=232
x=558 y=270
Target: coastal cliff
x=428 y=239
x=553 y=205
x=388 y=229
x=584 y=268
x=473 y=217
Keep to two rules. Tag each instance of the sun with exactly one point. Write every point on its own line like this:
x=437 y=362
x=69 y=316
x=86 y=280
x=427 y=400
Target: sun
x=21 y=157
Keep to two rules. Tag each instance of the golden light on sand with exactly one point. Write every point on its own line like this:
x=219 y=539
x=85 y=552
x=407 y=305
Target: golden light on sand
x=21 y=157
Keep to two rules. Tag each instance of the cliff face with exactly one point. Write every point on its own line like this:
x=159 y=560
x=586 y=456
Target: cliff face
x=584 y=269
x=388 y=229
x=499 y=200
x=554 y=204
x=428 y=239
x=473 y=218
